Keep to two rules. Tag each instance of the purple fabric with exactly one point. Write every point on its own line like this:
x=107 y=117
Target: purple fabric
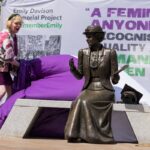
x=61 y=86
x=50 y=65
x=5 y=78
x=53 y=82
x=25 y=75
x=7 y=106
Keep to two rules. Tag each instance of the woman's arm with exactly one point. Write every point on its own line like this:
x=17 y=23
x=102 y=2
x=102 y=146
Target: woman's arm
x=77 y=72
x=9 y=56
x=114 y=67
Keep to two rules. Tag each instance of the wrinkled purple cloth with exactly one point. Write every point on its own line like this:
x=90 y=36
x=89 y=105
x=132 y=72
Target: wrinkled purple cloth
x=24 y=76
x=50 y=79
x=7 y=106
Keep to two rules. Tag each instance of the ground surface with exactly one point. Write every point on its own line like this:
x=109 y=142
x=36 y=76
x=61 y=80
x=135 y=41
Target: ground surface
x=50 y=144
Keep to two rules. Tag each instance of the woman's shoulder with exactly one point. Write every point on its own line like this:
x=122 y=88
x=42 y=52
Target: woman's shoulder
x=4 y=34
x=5 y=31
x=109 y=50
x=85 y=51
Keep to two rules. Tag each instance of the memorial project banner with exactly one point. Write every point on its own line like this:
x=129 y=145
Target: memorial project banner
x=56 y=27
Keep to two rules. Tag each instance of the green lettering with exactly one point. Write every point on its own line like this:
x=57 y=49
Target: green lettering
x=131 y=59
x=135 y=71
x=143 y=59
x=121 y=59
x=130 y=71
x=139 y=71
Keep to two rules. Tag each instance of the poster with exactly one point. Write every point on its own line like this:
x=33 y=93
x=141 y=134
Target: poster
x=55 y=27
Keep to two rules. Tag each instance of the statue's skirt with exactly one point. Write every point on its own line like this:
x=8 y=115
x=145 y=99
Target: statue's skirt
x=90 y=117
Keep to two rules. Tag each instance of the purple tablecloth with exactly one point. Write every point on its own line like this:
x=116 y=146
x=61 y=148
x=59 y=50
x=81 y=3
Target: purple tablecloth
x=46 y=78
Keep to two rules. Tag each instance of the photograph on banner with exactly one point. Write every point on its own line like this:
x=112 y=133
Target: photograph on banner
x=34 y=46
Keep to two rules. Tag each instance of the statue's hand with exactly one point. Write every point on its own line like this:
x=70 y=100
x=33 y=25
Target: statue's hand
x=115 y=78
x=71 y=64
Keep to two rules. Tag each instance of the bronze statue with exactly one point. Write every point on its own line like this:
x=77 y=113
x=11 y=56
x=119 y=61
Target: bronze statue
x=90 y=114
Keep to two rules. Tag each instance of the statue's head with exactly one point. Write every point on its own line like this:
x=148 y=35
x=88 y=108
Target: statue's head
x=96 y=31
x=93 y=29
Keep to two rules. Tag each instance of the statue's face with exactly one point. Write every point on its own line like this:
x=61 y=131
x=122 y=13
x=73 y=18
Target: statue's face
x=91 y=40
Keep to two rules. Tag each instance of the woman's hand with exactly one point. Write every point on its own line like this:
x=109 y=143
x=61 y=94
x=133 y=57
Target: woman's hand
x=14 y=63
x=115 y=78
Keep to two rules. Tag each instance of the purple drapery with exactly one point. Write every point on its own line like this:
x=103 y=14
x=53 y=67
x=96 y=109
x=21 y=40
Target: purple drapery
x=46 y=78
x=25 y=75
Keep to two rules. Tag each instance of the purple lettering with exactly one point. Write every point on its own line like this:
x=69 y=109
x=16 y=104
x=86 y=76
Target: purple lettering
x=111 y=11
x=107 y=24
x=138 y=12
x=121 y=12
x=96 y=22
x=141 y=25
x=130 y=25
x=96 y=12
x=134 y=12
x=119 y=23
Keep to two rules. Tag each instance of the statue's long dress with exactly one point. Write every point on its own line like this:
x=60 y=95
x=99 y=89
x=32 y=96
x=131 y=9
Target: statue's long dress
x=90 y=115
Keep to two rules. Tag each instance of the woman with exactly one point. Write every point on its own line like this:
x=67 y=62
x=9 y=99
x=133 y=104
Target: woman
x=8 y=53
x=90 y=115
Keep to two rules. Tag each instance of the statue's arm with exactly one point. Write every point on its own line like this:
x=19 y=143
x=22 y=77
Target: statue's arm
x=77 y=71
x=114 y=67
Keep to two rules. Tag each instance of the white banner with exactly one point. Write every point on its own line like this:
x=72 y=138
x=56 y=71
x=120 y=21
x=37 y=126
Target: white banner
x=56 y=27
